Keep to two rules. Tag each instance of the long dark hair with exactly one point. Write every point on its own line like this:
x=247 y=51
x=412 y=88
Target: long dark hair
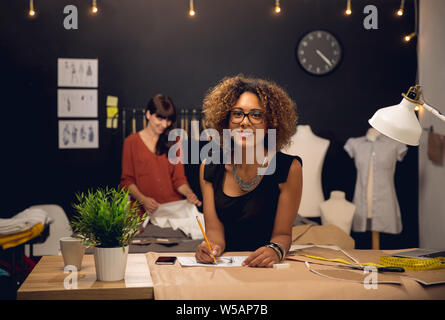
x=163 y=107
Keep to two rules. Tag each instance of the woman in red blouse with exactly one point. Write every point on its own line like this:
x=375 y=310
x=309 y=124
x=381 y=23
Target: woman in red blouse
x=146 y=170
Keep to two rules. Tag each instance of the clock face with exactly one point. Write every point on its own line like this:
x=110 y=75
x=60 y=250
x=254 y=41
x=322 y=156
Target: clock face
x=318 y=52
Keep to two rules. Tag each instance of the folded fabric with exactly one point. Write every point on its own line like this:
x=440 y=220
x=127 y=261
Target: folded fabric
x=179 y=215
x=23 y=221
x=16 y=239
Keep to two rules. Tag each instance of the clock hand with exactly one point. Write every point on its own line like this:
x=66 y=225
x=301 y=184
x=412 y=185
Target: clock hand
x=324 y=57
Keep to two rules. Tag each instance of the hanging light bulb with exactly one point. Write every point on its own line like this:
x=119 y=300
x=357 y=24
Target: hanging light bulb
x=94 y=8
x=399 y=12
x=192 y=11
x=277 y=6
x=32 y=12
x=408 y=37
x=348 y=11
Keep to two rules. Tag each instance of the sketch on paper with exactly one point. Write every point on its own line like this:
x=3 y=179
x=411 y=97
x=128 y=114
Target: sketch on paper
x=78 y=134
x=77 y=73
x=75 y=103
x=226 y=261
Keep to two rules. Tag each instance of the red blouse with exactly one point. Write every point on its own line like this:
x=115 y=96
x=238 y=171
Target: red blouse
x=153 y=174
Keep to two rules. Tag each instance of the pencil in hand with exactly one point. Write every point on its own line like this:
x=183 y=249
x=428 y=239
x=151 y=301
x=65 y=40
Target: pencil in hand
x=205 y=238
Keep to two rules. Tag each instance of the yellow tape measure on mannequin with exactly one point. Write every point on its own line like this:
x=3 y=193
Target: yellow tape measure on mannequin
x=406 y=263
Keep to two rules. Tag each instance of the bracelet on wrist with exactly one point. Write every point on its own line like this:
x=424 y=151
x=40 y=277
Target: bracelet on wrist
x=279 y=248
x=275 y=247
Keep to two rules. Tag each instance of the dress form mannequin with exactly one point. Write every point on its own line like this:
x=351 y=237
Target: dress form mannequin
x=338 y=211
x=372 y=135
x=312 y=149
x=377 y=208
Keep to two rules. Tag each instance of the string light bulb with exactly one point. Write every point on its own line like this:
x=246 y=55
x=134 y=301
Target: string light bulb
x=408 y=37
x=417 y=108
x=94 y=8
x=277 y=6
x=32 y=12
x=348 y=10
x=399 y=12
x=192 y=11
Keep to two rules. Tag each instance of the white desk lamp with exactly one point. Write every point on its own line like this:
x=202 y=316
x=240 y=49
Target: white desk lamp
x=400 y=122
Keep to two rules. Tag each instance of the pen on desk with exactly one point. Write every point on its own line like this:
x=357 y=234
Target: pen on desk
x=205 y=238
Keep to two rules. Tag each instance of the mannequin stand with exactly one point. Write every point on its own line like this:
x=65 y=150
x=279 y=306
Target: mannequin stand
x=375 y=240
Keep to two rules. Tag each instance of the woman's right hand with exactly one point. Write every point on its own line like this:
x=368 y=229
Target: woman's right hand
x=150 y=205
x=203 y=253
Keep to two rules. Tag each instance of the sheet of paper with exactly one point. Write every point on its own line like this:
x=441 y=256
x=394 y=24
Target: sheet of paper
x=77 y=103
x=78 y=134
x=228 y=261
x=112 y=101
x=112 y=112
x=77 y=73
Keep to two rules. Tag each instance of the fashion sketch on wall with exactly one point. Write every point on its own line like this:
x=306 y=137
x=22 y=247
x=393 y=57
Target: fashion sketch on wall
x=78 y=134
x=77 y=103
x=77 y=73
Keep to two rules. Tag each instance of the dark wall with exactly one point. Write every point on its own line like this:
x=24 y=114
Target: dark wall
x=150 y=46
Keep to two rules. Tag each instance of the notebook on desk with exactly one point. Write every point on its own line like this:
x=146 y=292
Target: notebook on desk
x=420 y=254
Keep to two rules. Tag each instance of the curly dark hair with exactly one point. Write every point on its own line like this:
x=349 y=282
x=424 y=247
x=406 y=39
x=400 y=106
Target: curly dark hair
x=281 y=113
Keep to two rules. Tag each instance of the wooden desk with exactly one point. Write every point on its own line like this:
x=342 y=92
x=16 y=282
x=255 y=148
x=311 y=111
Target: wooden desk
x=47 y=281
x=294 y=283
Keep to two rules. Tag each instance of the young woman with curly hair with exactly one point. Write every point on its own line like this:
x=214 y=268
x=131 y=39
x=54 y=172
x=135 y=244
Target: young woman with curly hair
x=244 y=210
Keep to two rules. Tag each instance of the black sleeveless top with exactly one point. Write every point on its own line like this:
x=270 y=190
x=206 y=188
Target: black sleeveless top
x=249 y=219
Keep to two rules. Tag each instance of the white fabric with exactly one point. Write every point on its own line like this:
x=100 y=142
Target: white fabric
x=179 y=215
x=23 y=221
x=59 y=228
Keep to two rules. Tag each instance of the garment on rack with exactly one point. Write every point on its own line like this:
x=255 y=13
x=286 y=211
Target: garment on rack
x=24 y=221
x=14 y=240
x=384 y=153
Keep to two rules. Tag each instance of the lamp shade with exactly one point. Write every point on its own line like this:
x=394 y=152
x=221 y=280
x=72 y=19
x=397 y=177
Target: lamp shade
x=398 y=122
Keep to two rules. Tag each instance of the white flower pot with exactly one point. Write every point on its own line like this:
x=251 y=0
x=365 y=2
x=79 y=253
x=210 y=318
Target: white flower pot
x=110 y=263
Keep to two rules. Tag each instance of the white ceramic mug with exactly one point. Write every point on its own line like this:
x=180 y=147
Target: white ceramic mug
x=72 y=251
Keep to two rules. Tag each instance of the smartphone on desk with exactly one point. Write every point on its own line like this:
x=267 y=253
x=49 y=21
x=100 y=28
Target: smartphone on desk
x=165 y=260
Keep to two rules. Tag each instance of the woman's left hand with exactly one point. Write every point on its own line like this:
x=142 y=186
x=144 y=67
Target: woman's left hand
x=192 y=198
x=263 y=257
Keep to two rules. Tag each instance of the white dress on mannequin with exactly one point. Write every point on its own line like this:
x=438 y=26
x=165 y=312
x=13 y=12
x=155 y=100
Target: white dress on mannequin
x=372 y=135
x=375 y=198
x=312 y=150
x=338 y=211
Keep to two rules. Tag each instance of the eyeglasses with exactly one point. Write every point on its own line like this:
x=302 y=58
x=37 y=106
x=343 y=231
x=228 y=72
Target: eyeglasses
x=255 y=116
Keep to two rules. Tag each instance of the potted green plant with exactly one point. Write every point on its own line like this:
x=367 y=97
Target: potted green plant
x=108 y=221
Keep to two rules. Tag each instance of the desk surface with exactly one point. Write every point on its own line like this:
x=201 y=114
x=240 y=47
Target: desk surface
x=48 y=281
x=293 y=283
x=146 y=280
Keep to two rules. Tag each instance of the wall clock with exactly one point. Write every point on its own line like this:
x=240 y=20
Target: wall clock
x=318 y=52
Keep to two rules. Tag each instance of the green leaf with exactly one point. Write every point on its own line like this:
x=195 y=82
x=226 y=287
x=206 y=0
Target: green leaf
x=106 y=217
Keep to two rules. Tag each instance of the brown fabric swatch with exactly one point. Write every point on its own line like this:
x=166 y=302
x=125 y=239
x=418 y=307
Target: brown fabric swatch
x=435 y=147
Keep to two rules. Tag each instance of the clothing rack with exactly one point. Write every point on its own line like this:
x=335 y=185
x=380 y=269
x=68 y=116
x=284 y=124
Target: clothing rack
x=134 y=120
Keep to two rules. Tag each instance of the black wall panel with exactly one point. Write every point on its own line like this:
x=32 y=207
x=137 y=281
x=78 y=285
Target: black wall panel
x=150 y=46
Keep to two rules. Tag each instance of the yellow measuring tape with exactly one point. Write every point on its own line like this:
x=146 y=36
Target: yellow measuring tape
x=406 y=263
x=414 y=264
